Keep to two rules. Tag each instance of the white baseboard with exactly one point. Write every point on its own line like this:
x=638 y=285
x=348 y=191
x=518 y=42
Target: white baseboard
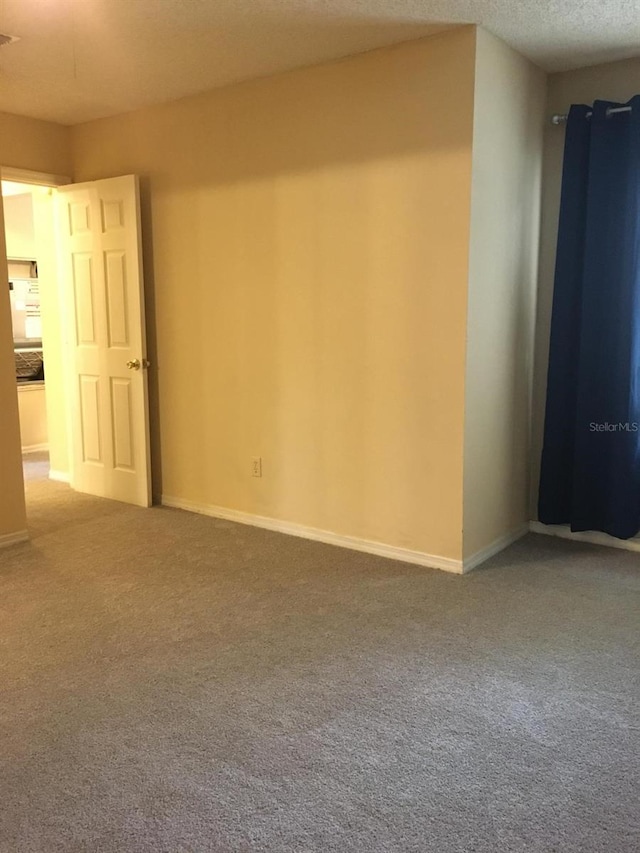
x=13 y=538
x=494 y=548
x=59 y=476
x=35 y=448
x=593 y=537
x=392 y=552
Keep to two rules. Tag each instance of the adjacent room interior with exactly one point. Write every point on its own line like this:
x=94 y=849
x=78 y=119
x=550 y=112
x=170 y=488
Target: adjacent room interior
x=42 y=407
x=319 y=492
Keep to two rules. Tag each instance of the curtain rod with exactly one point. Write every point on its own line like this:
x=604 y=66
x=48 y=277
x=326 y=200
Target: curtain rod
x=559 y=118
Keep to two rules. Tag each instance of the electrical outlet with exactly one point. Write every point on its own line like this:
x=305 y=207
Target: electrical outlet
x=256 y=466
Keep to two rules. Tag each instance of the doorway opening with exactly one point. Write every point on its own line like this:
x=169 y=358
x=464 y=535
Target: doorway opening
x=77 y=309
x=36 y=315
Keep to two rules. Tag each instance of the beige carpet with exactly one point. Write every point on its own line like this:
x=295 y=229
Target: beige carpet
x=176 y=684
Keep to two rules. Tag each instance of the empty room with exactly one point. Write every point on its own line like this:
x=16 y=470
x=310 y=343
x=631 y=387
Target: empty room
x=319 y=426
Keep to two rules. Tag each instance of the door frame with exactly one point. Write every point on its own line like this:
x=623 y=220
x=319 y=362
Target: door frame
x=38 y=179
x=46 y=179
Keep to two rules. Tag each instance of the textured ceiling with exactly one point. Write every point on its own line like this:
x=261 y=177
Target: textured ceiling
x=82 y=59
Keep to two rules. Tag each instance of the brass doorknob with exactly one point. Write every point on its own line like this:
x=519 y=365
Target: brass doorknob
x=134 y=364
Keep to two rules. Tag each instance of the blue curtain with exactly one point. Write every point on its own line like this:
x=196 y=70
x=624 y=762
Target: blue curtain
x=590 y=472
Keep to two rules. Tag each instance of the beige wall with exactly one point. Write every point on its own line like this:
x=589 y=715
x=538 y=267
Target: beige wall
x=18 y=224
x=310 y=243
x=39 y=146
x=505 y=213
x=43 y=147
x=615 y=81
x=12 y=508
x=306 y=252
x=32 y=408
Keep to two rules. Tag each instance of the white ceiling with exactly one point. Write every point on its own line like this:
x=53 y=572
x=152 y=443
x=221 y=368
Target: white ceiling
x=82 y=59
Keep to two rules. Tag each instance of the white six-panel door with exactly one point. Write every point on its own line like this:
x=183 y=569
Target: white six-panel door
x=98 y=226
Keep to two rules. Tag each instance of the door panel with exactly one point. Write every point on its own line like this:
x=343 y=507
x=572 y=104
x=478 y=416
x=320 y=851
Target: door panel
x=123 y=456
x=115 y=273
x=90 y=419
x=99 y=242
x=83 y=299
